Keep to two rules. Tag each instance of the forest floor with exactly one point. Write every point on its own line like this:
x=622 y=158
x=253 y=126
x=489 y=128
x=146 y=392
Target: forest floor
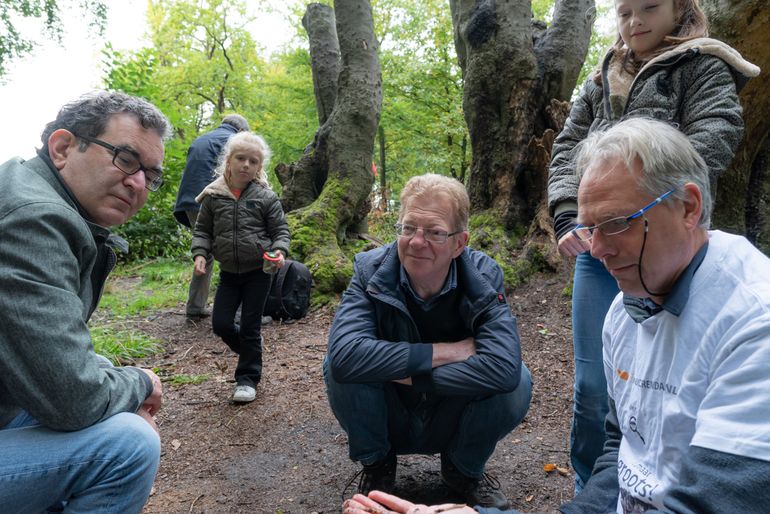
x=286 y=453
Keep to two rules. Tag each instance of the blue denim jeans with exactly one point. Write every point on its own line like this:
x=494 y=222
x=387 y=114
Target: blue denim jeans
x=592 y=293
x=108 y=467
x=249 y=292
x=466 y=429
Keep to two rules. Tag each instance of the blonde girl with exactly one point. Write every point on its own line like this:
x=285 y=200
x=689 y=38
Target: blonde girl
x=240 y=219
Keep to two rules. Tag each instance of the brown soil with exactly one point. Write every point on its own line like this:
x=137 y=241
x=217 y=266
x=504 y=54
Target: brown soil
x=285 y=452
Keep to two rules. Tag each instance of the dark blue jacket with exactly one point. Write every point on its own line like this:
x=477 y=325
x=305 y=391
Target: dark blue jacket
x=199 y=171
x=374 y=338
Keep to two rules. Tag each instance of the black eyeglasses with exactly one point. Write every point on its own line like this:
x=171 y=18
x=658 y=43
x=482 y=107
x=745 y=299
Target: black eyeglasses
x=616 y=225
x=128 y=162
x=429 y=234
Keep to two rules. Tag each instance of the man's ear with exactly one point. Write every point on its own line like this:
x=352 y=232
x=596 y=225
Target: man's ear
x=61 y=143
x=461 y=240
x=693 y=205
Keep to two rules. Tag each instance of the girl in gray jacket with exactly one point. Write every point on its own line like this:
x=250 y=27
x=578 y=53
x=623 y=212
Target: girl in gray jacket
x=240 y=219
x=661 y=66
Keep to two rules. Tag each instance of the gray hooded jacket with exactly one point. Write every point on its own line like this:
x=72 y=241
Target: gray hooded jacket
x=694 y=86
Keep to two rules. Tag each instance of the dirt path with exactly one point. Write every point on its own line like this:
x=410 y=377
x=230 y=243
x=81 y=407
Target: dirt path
x=286 y=453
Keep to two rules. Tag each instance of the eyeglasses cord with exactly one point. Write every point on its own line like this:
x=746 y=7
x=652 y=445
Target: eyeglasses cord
x=639 y=267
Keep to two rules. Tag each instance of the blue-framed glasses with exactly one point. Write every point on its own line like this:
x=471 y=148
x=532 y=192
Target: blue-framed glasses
x=127 y=161
x=617 y=225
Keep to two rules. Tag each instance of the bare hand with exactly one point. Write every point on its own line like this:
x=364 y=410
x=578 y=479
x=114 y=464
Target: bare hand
x=449 y=353
x=281 y=262
x=153 y=402
x=383 y=503
x=200 y=265
x=570 y=246
x=149 y=419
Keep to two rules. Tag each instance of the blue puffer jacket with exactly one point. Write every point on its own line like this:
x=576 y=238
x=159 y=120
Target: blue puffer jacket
x=199 y=170
x=374 y=338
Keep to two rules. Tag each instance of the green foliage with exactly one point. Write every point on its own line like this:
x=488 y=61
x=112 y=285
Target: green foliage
x=13 y=44
x=422 y=91
x=602 y=37
x=122 y=346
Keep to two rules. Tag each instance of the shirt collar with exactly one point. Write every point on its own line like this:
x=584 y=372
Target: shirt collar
x=449 y=284
x=641 y=309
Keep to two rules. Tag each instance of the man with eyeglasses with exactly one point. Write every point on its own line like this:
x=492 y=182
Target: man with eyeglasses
x=76 y=433
x=202 y=158
x=424 y=354
x=686 y=342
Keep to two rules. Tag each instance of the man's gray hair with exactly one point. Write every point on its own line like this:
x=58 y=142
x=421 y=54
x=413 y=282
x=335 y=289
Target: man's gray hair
x=88 y=115
x=668 y=159
x=237 y=121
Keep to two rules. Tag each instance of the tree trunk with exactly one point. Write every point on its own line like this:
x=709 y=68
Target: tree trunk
x=514 y=70
x=324 y=55
x=302 y=181
x=742 y=191
x=342 y=153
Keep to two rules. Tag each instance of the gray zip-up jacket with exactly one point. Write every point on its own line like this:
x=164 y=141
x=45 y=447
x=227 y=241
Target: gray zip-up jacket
x=53 y=264
x=694 y=86
x=238 y=231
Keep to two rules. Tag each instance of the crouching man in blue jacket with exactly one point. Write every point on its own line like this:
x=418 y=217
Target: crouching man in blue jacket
x=424 y=353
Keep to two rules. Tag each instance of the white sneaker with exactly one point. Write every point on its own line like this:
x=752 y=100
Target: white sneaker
x=244 y=394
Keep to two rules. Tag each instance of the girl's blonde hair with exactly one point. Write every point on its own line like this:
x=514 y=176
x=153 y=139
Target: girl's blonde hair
x=691 y=23
x=245 y=140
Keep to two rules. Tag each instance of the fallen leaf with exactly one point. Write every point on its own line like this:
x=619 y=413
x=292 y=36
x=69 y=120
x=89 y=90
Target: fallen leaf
x=562 y=471
x=529 y=498
x=549 y=467
x=176 y=443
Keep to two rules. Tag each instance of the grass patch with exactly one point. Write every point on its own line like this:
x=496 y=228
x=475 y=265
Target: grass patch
x=122 y=346
x=179 y=380
x=153 y=285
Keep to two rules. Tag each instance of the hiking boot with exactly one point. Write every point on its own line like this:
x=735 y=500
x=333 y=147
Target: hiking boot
x=244 y=394
x=483 y=491
x=380 y=476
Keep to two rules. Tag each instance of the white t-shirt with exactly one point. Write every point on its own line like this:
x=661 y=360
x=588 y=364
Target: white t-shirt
x=701 y=378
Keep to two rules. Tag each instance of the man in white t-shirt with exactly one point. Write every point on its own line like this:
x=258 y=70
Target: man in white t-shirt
x=686 y=343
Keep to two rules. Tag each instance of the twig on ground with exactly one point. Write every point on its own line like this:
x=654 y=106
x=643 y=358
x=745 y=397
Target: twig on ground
x=194 y=501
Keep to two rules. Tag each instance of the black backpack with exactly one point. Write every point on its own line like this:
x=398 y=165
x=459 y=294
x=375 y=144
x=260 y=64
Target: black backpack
x=289 y=296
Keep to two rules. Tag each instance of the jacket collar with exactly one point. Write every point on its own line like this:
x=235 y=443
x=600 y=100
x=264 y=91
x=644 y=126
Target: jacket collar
x=477 y=289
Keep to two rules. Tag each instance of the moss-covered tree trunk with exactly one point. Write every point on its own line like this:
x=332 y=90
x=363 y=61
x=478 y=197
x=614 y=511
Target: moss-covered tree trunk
x=742 y=192
x=342 y=152
x=516 y=73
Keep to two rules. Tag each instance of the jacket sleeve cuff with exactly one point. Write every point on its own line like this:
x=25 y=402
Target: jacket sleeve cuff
x=563 y=223
x=420 y=359
x=145 y=378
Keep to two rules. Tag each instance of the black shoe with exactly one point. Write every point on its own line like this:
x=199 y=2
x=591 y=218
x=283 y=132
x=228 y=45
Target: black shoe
x=483 y=491
x=380 y=476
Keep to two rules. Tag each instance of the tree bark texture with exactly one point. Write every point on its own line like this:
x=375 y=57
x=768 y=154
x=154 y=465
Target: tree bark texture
x=342 y=152
x=303 y=180
x=319 y=23
x=742 y=191
x=514 y=70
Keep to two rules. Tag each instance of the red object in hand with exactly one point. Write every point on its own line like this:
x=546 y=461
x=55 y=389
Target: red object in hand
x=270 y=261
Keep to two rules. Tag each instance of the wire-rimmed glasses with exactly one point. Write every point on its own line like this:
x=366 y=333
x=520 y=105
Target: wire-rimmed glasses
x=429 y=234
x=617 y=225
